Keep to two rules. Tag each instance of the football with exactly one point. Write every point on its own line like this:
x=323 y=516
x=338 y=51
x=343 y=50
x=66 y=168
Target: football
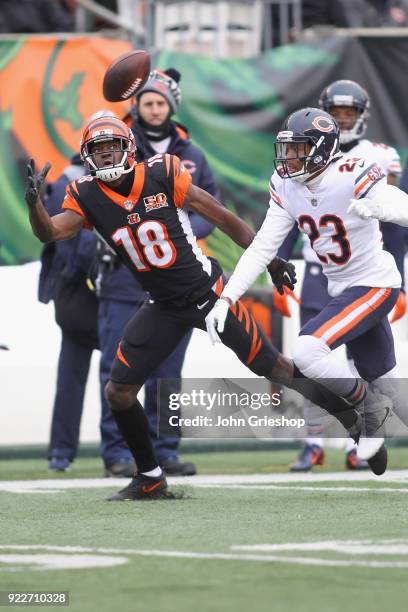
x=126 y=74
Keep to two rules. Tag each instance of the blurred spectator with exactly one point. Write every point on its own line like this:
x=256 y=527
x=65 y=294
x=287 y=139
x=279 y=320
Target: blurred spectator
x=322 y=12
x=376 y=13
x=34 y=16
x=355 y=13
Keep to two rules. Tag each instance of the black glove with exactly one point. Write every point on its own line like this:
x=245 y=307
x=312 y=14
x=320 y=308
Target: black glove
x=283 y=274
x=34 y=182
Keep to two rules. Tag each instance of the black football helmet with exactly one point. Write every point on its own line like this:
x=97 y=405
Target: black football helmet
x=313 y=136
x=347 y=93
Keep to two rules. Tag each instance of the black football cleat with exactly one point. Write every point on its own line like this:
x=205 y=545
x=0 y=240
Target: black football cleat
x=378 y=463
x=142 y=487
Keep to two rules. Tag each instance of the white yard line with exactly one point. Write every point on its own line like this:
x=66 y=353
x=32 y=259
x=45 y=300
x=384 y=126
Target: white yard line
x=391 y=476
x=334 y=489
x=64 y=563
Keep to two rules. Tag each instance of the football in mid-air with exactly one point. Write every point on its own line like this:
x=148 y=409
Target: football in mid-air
x=126 y=74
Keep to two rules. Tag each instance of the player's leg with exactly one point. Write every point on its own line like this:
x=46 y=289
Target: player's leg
x=353 y=461
x=243 y=335
x=344 y=319
x=165 y=381
x=374 y=356
x=149 y=337
x=112 y=318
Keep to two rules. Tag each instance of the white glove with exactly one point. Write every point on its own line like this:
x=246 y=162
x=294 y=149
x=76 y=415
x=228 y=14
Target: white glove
x=366 y=209
x=215 y=320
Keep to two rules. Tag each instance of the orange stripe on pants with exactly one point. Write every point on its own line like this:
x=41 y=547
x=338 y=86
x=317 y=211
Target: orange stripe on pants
x=347 y=311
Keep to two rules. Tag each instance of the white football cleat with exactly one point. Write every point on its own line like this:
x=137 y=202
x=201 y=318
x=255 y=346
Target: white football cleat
x=375 y=411
x=368 y=447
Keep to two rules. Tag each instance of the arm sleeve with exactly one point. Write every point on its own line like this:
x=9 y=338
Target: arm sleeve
x=182 y=182
x=278 y=222
x=393 y=202
x=71 y=203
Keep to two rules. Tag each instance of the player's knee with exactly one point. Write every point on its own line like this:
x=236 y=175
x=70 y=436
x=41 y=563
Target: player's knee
x=120 y=397
x=308 y=350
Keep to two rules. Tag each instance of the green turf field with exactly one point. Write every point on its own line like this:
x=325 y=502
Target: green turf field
x=236 y=543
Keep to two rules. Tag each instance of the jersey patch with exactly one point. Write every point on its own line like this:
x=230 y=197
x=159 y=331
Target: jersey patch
x=367 y=179
x=154 y=202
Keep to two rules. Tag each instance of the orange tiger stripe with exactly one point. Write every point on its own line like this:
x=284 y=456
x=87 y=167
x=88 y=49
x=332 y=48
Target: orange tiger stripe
x=121 y=356
x=247 y=318
x=219 y=286
x=254 y=351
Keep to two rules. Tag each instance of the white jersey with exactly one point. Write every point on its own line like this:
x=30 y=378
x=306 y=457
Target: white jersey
x=388 y=160
x=349 y=248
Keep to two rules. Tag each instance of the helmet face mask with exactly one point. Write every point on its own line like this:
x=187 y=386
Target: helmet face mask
x=342 y=94
x=109 y=161
x=293 y=155
x=306 y=145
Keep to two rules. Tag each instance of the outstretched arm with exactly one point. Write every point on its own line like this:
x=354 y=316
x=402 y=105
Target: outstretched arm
x=282 y=273
x=263 y=248
x=204 y=204
x=387 y=203
x=47 y=229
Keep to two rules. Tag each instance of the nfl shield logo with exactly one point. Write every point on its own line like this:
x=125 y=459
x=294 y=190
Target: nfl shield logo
x=128 y=204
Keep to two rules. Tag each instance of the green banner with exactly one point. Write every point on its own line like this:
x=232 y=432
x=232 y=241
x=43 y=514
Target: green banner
x=232 y=108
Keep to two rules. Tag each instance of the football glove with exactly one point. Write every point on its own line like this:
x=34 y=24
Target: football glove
x=282 y=273
x=215 y=320
x=34 y=182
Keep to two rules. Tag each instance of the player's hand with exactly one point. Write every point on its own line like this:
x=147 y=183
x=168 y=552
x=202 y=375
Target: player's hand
x=400 y=307
x=281 y=302
x=215 y=320
x=366 y=209
x=283 y=274
x=34 y=182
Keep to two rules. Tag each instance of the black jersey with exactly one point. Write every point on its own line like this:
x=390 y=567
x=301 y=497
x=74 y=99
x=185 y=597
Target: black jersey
x=148 y=228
